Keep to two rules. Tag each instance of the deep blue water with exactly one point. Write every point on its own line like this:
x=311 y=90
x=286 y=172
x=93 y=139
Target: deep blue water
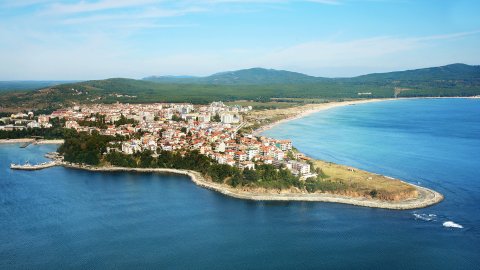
x=63 y=218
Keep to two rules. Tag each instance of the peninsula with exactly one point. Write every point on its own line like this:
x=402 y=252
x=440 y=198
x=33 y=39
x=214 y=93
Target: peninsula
x=220 y=148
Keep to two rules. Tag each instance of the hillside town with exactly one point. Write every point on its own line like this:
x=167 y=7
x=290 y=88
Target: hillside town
x=212 y=129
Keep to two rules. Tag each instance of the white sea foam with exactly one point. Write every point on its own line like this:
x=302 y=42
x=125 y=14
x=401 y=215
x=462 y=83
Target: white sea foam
x=451 y=224
x=425 y=217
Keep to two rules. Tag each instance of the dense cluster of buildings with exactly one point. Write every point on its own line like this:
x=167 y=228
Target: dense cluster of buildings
x=212 y=130
x=21 y=121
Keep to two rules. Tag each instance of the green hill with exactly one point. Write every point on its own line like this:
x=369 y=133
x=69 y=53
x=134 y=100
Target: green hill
x=449 y=72
x=254 y=84
x=252 y=76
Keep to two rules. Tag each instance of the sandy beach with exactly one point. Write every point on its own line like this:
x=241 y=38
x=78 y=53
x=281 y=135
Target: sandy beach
x=4 y=141
x=302 y=111
x=25 y=140
x=59 y=141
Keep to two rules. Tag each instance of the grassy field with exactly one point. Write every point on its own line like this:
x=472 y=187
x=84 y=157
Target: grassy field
x=256 y=105
x=305 y=100
x=361 y=183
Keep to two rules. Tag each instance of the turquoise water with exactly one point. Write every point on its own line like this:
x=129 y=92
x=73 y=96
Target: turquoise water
x=63 y=218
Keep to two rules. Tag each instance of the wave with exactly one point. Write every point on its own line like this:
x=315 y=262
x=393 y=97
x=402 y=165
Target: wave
x=425 y=217
x=451 y=224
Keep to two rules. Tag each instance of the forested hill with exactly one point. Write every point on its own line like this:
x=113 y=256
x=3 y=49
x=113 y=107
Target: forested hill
x=252 y=76
x=449 y=72
x=254 y=84
x=256 y=76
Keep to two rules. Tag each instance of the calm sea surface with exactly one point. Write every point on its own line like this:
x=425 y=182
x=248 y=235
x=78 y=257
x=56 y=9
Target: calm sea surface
x=61 y=218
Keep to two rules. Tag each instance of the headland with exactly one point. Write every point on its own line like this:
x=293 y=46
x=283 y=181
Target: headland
x=234 y=160
x=425 y=197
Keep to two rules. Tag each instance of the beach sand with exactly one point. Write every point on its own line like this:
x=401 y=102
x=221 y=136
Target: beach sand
x=302 y=111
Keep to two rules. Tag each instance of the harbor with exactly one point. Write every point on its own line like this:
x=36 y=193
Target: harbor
x=54 y=156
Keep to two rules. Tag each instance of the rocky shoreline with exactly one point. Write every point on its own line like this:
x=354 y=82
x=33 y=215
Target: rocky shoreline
x=427 y=197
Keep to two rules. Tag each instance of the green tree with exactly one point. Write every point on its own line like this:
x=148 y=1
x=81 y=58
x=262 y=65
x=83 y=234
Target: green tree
x=216 y=118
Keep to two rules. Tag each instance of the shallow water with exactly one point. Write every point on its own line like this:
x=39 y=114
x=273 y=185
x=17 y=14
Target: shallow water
x=64 y=218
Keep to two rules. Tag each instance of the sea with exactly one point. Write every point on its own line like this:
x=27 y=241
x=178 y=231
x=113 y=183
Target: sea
x=62 y=218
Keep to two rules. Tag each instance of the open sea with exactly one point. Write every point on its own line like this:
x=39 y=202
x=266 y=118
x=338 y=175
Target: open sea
x=70 y=219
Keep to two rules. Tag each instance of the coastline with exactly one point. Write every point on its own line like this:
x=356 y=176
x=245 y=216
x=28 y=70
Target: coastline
x=300 y=112
x=427 y=197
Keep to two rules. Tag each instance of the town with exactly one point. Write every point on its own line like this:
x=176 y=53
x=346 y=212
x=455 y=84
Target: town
x=215 y=130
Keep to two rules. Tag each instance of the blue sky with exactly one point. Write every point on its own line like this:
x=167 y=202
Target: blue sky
x=44 y=39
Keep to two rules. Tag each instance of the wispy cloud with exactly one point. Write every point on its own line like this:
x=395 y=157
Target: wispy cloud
x=86 y=39
x=86 y=11
x=150 y=13
x=447 y=36
x=85 y=6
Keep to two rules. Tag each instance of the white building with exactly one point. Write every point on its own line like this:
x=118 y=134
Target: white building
x=33 y=124
x=72 y=124
x=299 y=168
x=251 y=153
x=220 y=147
x=230 y=118
x=131 y=147
x=278 y=155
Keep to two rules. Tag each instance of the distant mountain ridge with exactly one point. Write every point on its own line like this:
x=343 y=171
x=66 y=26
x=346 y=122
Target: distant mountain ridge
x=256 y=76
x=448 y=72
x=252 y=76
x=256 y=84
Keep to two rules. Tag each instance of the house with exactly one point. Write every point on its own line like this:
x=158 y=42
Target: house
x=246 y=165
x=284 y=145
x=240 y=156
x=72 y=124
x=278 y=155
x=251 y=153
x=43 y=119
x=220 y=147
x=33 y=124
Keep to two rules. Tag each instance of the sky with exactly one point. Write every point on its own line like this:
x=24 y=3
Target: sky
x=87 y=39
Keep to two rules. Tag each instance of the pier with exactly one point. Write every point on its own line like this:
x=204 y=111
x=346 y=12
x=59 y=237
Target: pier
x=26 y=144
x=30 y=167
